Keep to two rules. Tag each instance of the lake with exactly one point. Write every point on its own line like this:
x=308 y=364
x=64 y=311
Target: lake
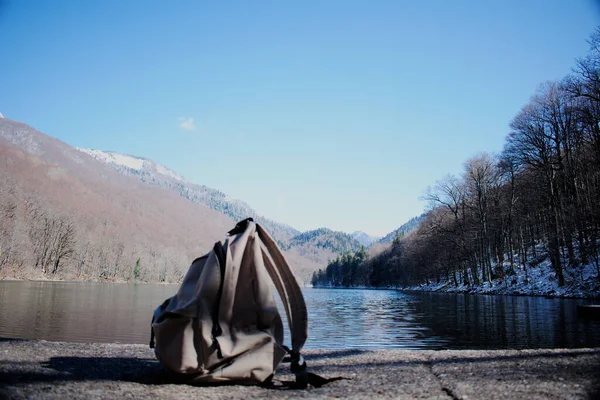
x=338 y=318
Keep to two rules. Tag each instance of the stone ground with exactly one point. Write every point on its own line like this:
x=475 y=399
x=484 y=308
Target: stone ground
x=50 y=370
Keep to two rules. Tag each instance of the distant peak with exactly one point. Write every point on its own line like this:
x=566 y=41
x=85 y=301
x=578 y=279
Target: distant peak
x=1 y=116
x=364 y=238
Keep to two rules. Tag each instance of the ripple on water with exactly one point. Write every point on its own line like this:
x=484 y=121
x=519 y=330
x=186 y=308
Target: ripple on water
x=338 y=318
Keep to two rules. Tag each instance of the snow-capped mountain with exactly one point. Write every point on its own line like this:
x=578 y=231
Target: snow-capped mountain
x=154 y=173
x=111 y=221
x=139 y=165
x=118 y=221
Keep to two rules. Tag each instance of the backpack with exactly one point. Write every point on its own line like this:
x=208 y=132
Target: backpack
x=223 y=325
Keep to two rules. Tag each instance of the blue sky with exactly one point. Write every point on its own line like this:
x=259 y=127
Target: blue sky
x=325 y=113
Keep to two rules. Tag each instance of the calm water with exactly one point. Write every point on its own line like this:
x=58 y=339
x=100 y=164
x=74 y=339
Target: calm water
x=375 y=319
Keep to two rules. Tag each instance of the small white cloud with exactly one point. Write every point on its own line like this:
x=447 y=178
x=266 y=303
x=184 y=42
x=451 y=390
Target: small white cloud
x=187 y=124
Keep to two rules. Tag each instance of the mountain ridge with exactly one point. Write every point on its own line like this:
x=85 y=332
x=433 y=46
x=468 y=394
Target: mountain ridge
x=151 y=172
x=403 y=229
x=364 y=238
x=111 y=178
x=113 y=219
x=318 y=245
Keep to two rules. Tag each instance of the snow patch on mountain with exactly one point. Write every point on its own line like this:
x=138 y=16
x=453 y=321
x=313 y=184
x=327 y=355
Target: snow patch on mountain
x=128 y=161
x=115 y=158
x=161 y=169
x=132 y=162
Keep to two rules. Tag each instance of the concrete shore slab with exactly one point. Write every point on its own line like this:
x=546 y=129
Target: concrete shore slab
x=52 y=370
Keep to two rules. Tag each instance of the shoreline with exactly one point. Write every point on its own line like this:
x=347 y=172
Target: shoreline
x=12 y=279
x=516 y=294
x=56 y=370
x=488 y=293
x=496 y=290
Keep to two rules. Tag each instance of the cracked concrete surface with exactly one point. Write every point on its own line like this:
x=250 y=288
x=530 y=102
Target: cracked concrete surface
x=49 y=370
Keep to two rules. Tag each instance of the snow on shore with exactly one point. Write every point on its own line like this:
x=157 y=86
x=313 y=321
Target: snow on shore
x=538 y=280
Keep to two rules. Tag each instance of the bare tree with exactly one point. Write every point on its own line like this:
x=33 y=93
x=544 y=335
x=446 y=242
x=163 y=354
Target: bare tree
x=481 y=177
x=8 y=219
x=450 y=193
x=532 y=143
x=64 y=242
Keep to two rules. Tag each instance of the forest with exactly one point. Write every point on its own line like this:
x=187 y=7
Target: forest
x=538 y=199
x=338 y=242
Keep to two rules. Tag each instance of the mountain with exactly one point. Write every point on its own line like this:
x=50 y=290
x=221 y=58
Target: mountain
x=403 y=229
x=65 y=213
x=364 y=238
x=322 y=245
x=151 y=172
x=317 y=246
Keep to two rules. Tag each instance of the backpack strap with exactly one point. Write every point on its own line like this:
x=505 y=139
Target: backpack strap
x=293 y=301
x=284 y=281
x=296 y=307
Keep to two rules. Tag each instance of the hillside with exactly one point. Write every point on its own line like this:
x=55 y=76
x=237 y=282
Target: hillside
x=66 y=214
x=317 y=246
x=364 y=238
x=403 y=229
x=322 y=245
x=151 y=172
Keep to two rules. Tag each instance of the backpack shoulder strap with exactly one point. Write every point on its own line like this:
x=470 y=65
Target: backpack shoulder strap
x=294 y=304
x=295 y=309
x=283 y=278
x=291 y=297
x=284 y=281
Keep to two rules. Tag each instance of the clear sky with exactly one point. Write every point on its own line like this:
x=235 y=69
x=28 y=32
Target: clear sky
x=316 y=113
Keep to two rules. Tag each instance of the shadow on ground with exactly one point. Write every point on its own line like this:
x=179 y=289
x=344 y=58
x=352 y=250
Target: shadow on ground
x=148 y=371
x=57 y=369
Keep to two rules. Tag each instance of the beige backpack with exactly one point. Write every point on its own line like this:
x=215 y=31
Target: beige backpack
x=223 y=324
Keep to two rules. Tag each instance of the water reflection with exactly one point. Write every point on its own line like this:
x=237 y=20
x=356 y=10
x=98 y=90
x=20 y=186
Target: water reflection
x=487 y=322
x=82 y=312
x=338 y=318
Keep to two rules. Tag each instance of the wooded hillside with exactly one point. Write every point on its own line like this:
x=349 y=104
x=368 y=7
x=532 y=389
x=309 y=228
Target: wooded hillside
x=538 y=199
